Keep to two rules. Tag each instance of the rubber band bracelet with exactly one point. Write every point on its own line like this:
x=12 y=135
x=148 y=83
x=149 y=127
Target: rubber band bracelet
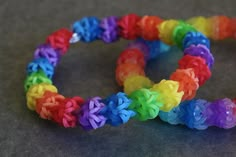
x=198 y=114
x=42 y=96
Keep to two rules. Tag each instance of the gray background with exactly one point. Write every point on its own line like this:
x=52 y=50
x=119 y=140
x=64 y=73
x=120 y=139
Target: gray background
x=88 y=70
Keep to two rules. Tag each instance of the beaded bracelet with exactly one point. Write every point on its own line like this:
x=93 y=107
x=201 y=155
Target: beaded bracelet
x=42 y=96
x=197 y=114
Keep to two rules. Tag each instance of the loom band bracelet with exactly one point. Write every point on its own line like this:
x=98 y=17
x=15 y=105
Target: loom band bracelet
x=196 y=114
x=194 y=68
x=43 y=97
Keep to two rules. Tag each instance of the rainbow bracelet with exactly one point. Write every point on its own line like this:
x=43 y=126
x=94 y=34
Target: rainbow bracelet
x=198 y=114
x=116 y=109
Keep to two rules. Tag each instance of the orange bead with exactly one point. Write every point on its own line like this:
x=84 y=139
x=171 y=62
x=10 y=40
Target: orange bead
x=188 y=83
x=148 y=27
x=123 y=71
x=221 y=27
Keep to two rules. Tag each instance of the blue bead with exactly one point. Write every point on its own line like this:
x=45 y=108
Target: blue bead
x=195 y=38
x=171 y=117
x=116 y=110
x=41 y=64
x=192 y=113
x=88 y=29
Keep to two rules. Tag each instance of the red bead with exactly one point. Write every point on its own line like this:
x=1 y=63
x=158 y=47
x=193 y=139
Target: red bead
x=234 y=100
x=233 y=26
x=148 y=26
x=133 y=56
x=128 y=26
x=60 y=40
x=199 y=66
x=123 y=71
x=68 y=111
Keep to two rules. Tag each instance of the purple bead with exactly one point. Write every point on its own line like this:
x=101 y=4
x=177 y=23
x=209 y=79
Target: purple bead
x=89 y=116
x=46 y=51
x=138 y=44
x=201 y=51
x=220 y=113
x=110 y=29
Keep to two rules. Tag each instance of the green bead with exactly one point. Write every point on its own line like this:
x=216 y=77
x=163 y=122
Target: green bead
x=180 y=31
x=144 y=103
x=36 y=78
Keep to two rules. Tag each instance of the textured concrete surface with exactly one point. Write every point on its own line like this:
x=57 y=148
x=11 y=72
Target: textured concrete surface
x=88 y=70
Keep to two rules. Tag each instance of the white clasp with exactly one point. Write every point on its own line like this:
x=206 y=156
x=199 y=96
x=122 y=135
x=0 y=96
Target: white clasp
x=75 y=38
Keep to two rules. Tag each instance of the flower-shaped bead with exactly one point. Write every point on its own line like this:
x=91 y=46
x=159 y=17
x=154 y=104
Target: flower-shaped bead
x=195 y=38
x=110 y=32
x=68 y=111
x=188 y=83
x=132 y=56
x=89 y=116
x=166 y=30
x=144 y=103
x=148 y=27
x=37 y=91
x=134 y=83
x=169 y=95
x=128 y=26
x=60 y=40
x=221 y=113
x=201 y=51
x=171 y=117
x=40 y=64
x=193 y=114
x=88 y=29
x=198 y=64
x=48 y=105
x=46 y=51
x=116 y=109
x=36 y=78
x=221 y=27
x=123 y=71
x=179 y=33
x=202 y=24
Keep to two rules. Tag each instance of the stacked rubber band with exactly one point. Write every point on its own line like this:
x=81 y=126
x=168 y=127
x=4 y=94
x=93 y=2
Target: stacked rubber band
x=117 y=109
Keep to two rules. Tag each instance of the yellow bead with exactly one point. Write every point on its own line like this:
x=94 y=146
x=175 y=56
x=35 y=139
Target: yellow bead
x=169 y=95
x=136 y=82
x=202 y=24
x=37 y=91
x=166 y=29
